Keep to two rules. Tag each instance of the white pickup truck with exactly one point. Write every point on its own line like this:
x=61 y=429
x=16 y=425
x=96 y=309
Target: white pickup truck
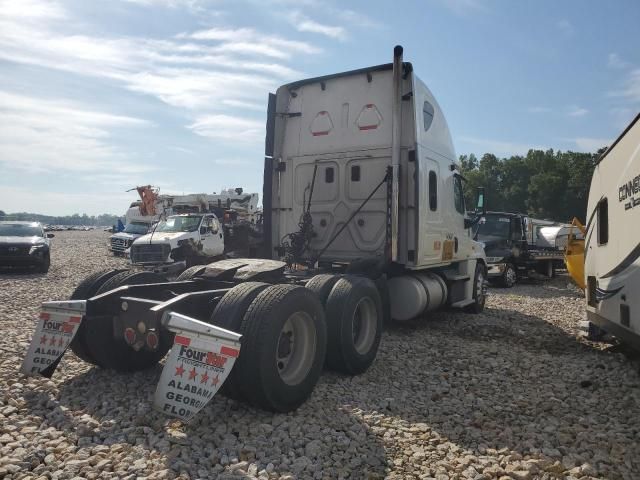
x=120 y=242
x=179 y=242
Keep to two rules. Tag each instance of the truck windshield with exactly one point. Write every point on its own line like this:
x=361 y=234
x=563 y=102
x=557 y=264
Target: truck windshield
x=20 y=230
x=136 y=228
x=493 y=226
x=179 y=224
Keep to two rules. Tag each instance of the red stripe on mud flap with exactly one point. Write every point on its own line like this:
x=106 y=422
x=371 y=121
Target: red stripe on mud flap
x=45 y=316
x=182 y=340
x=317 y=134
x=229 y=352
x=75 y=319
x=368 y=127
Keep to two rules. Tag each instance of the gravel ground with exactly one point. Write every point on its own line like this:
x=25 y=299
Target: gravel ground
x=513 y=393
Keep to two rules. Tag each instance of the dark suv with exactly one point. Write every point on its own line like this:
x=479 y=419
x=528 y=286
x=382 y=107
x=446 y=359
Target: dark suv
x=24 y=244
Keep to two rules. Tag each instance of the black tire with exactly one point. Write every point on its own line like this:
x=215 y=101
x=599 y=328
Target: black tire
x=349 y=348
x=109 y=353
x=229 y=314
x=190 y=272
x=595 y=333
x=85 y=290
x=263 y=374
x=322 y=284
x=479 y=293
x=130 y=278
x=509 y=276
x=44 y=266
x=90 y=285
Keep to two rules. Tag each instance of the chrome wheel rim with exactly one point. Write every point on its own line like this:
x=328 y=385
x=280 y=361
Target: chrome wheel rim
x=364 y=325
x=296 y=348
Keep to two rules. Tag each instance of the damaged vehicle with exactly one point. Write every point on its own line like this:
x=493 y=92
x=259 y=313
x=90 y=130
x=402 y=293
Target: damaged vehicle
x=178 y=242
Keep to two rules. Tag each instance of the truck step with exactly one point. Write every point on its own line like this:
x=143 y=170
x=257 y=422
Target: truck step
x=454 y=276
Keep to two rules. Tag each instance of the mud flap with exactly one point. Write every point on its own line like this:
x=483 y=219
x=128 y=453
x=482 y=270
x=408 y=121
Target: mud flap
x=58 y=324
x=197 y=365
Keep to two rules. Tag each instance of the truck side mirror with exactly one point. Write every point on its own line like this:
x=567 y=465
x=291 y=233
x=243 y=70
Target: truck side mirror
x=480 y=205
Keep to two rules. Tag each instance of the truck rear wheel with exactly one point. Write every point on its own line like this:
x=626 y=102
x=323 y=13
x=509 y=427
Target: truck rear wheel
x=190 y=272
x=322 y=284
x=229 y=314
x=85 y=290
x=283 y=348
x=98 y=336
x=354 y=324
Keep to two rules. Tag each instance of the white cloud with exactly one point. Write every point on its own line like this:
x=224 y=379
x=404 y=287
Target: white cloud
x=175 y=148
x=200 y=70
x=259 y=107
x=31 y=9
x=249 y=41
x=614 y=61
x=538 y=109
x=586 y=144
x=497 y=147
x=302 y=23
x=357 y=19
x=566 y=27
x=229 y=128
x=576 y=111
x=41 y=135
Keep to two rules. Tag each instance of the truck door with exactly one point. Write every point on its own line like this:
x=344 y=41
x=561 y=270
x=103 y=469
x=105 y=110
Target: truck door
x=434 y=234
x=211 y=236
x=462 y=241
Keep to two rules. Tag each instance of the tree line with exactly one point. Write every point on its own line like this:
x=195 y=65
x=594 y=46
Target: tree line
x=75 y=219
x=547 y=184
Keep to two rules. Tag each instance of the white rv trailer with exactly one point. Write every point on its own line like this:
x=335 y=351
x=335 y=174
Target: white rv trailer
x=365 y=214
x=612 y=251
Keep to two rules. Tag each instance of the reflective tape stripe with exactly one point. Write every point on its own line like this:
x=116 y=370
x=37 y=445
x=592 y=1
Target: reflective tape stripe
x=182 y=340
x=228 y=351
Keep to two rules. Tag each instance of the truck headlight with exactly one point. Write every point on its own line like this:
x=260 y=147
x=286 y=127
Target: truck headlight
x=494 y=259
x=36 y=249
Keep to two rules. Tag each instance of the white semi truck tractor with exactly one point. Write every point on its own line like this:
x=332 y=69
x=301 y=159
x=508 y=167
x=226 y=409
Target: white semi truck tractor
x=364 y=219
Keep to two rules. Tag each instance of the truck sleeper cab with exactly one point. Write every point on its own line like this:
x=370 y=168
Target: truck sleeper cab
x=364 y=219
x=366 y=156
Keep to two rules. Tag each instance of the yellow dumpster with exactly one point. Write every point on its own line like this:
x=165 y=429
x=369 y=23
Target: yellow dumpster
x=574 y=253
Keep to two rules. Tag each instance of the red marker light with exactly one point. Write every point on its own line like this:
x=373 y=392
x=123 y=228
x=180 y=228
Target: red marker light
x=130 y=336
x=152 y=340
